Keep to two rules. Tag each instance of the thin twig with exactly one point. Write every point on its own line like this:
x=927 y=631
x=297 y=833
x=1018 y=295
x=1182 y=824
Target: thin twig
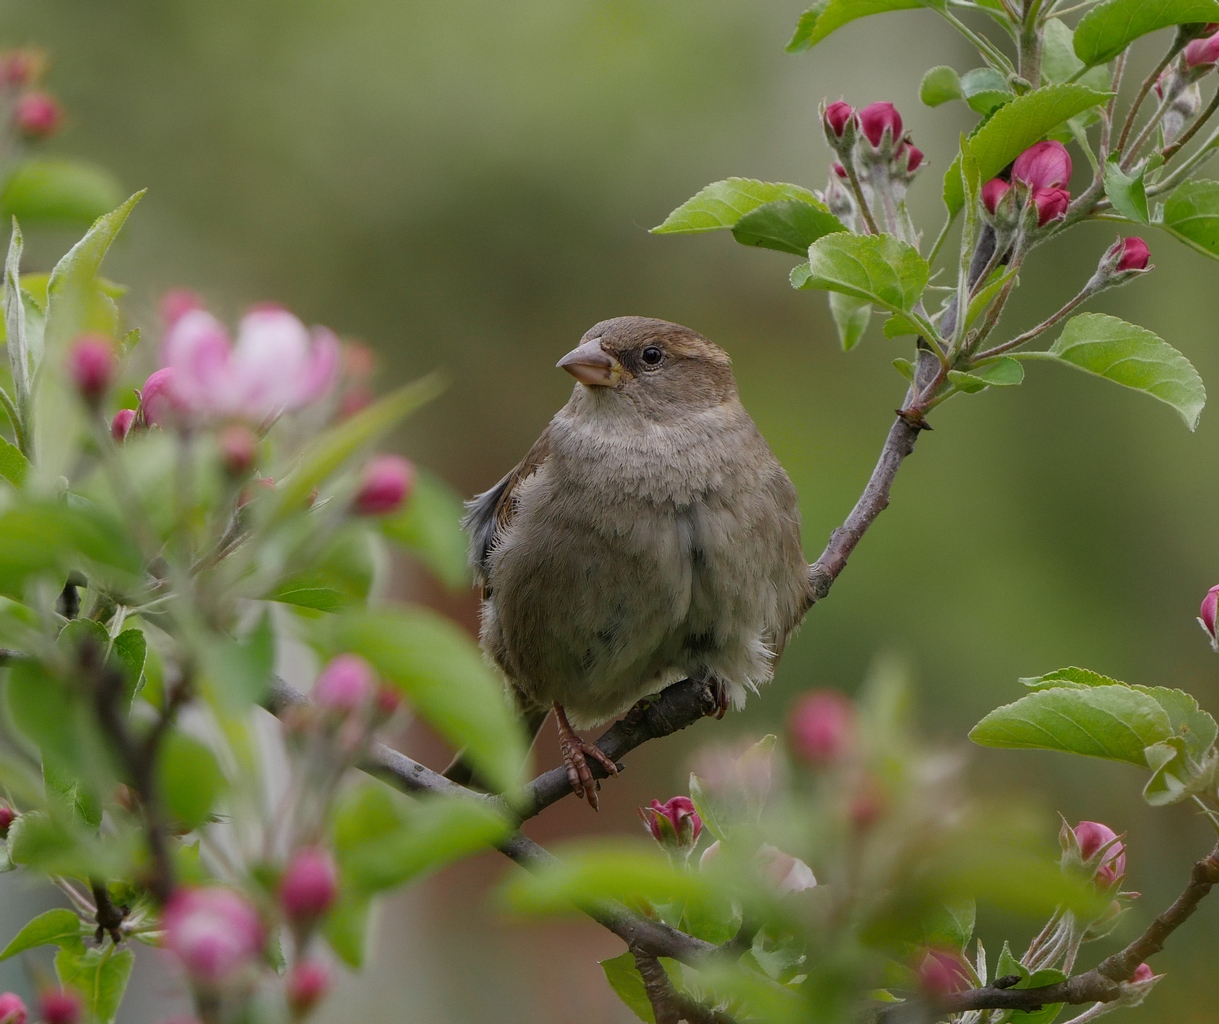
x=1168 y=152
x=1177 y=46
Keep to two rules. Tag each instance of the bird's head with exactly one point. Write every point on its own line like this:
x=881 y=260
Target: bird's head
x=655 y=365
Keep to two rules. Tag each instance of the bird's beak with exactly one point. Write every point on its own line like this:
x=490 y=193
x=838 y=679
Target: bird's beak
x=592 y=366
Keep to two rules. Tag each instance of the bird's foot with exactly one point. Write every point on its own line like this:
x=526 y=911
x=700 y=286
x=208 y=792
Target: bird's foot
x=576 y=753
x=722 y=697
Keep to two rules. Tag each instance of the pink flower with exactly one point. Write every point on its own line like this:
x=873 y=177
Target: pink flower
x=942 y=971
x=157 y=405
x=1091 y=836
x=820 y=725
x=1202 y=51
x=1206 y=615
x=346 y=684
x=91 y=362
x=992 y=192
x=1051 y=204
x=12 y=1009
x=276 y=366
x=7 y=817
x=673 y=823
x=385 y=485
x=21 y=67
x=1143 y=973
x=1043 y=165
x=837 y=115
x=1135 y=254
x=120 y=426
x=60 y=1006
x=307 y=983
x=914 y=156
x=877 y=118
x=839 y=170
x=388 y=701
x=176 y=303
x=38 y=115
x=787 y=873
x=214 y=931
x=309 y=886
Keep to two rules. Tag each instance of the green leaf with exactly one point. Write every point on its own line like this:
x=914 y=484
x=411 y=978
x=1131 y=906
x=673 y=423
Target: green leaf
x=238 y=674
x=383 y=840
x=1076 y=678
x=1107 y=29
x=53 y=716
x=939 y=85
x=50 y=191
x=342 y=576
x=1126 y=192
x=950 y=925
x=1003 y=372
x=1133 y=357
x=189 y=778
x=99 y=975
x=897 y=326
x=1013 y=128
x=985 y=90
x=905 y=368
x=13 y=465
x=1009 y=965
x=73 y=791
x=1116 y=723
x=827 y=15
x=441 y=672
x=430 y=528
x=984 y=297
x=327 y=453
x=347 y=928
x=57 y=927
x=788 y=225
x=851 y=317
x=1038 y=979
x=877 y=268
x=626 y=981
x=1191 y=213
x=722 y=203
x=130 y=650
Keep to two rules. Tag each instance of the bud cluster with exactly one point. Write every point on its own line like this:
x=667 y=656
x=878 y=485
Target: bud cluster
x=33 y=113
x=1037 y=193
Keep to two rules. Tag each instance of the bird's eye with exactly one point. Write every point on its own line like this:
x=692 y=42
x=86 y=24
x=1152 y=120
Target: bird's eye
x=652 y=355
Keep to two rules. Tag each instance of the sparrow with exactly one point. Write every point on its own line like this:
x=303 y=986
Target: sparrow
x=649 y=535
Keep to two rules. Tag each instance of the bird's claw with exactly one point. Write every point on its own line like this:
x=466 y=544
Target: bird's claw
x=576 y=753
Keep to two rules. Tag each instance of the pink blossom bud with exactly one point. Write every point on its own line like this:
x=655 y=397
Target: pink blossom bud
x=215 y=932
x=1091 y=836
x=12 y=1009
x=787 y=873
x=992 y=192
x=176 y=303
x=820 y=726
x=120 y=426
x=913 y=156
x=836 y=117
x=1143 y=973
x=346 y=684
x=877 y=118
x=354 y=399
x=22 y=67
x=7 y=817
x=60 y=1006
x=1206 y=615
x=1202 y=51
x=1135 y=254
x=1051 y=204
x=1043 y=165
x=941 y=971
x=839 y=170
x=38 y=115
x=388 y=701
x=238 y=446
x=359 y=361
x=673 y=824
x=157 y=406
x=91 y=362
x=385 y=485
x=309 y=886
x=307 y=983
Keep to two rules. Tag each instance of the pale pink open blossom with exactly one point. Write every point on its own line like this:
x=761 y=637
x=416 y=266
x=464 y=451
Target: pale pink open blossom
x=787 y=873
x=277 y=365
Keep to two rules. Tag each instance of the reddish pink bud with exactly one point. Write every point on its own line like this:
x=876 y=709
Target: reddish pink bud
x=176 y=303
x=91 y=365
x=7 y=817
x=346 y=684
x=1143 y=973
x=1202 y=51
x=1091 y=836
x=914 y=157
x=1051 y=204
x=309 y=886
x=214 y=931
x=12 y=1009
x=388 y=701
x=839 y=170
x=876 y=118
x=1043 y=165
x=354 y=399
x=60 y=1006
x=1135 y=254
x=679 y=813
x=238 y=446
x=157 y=406
x=868 y=803
x=38 y=115
x=941 y=971
x=1206 y=615
x=307 y=983
x=120 y=426
x=837 y=115
x=386 y=484
x=22 y=67
x=359 y=361
x=992 y=192
x=820 y=725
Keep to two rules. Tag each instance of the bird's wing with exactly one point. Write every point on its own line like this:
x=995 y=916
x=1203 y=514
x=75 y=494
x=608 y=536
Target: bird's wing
x=488 y=514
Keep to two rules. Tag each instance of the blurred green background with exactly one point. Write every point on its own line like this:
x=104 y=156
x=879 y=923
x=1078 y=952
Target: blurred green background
x=468 y=185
